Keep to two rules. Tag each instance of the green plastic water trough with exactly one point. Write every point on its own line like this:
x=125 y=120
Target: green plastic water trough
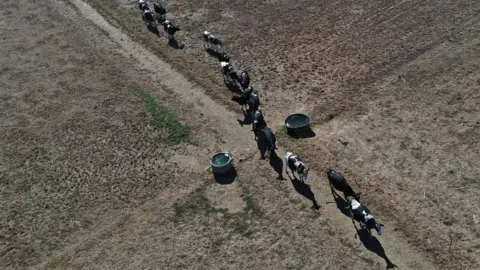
x=297 y=121
x=221 y=162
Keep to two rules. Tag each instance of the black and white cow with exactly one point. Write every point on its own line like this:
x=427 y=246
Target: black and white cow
x=228 y=72
x=148 y=18
x=362 y=214
x=296 y=165
x=142 y=5
x=211 y=42
x=170 y=29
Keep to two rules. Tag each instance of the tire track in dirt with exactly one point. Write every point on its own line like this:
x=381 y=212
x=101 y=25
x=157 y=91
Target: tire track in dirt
x=396 y=248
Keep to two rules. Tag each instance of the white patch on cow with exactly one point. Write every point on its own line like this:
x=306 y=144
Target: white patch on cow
x=297 y=163
x=224 y=64
x=206 y=33
x=287 y=156
x=367 y=216
x=355 y=204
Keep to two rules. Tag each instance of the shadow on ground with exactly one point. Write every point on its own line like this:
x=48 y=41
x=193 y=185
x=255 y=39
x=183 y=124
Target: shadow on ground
x=153 y=30
x=233 y=87
x=301 y=133
x=214 y=53
x=275 y=161
x=174 y=44
x=304 y=190
x=247 y=119
x=277 y=164
x=341 y=204
x=226 y=178
x=371 y=243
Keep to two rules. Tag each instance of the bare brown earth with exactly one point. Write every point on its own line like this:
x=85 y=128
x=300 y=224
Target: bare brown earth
x=86 y=183
x=392 y=88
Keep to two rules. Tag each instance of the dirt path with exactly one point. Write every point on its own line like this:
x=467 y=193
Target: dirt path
x=238 y=140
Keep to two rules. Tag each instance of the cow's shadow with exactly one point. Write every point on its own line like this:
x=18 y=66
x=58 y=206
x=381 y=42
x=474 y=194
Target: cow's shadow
x=371 y=243
x=341 y=203
x=275 y=161
x=174 y=44
x=277 y=164
x=214 y=53
x=153 y=30
x=247 y=118
x=233 y=87
x=304 y=190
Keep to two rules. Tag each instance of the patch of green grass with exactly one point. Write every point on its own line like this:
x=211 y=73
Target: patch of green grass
x=197 y=205
x=164 y=118
x=200 y=206
x=251 y=206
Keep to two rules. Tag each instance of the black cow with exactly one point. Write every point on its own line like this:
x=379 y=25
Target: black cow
x=245 y=97
x=270 y=140
x=244 y=79
x=224 y=58
x=160 y=11
x=253 y=102
x=338 y=182
x=258 y=122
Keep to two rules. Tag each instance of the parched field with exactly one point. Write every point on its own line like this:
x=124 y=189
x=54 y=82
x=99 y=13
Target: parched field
x=105 y=146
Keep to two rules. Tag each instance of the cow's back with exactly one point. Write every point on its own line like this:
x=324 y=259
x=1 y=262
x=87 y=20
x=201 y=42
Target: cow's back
x=337 y=180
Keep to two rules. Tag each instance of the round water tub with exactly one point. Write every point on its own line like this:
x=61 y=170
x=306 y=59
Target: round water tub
x=298 y=125
x=221 y=163
x=297 y=121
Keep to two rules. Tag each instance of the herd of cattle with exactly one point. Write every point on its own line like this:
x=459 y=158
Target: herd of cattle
x=250 y=104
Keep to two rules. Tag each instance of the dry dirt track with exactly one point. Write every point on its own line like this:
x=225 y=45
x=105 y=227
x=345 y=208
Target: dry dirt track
x=141 y=233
